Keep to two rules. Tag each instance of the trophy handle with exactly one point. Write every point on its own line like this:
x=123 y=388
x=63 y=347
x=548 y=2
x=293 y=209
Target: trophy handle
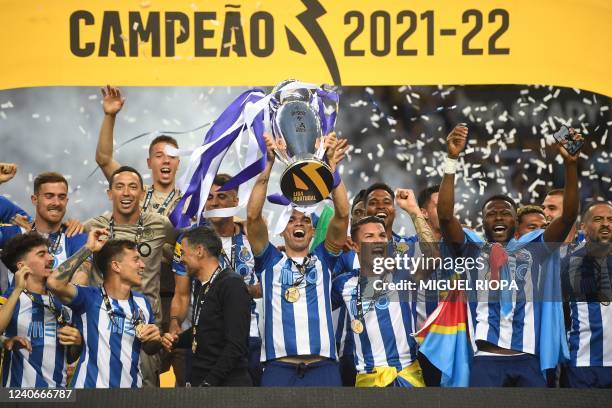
x=282 y=156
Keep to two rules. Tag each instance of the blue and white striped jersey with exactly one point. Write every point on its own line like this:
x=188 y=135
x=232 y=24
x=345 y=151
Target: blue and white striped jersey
x=347 y=262
x=45 y=366
x=587 y=284
x=304 y=327
x=386 y=340
x=518 y=327
x=111 y=352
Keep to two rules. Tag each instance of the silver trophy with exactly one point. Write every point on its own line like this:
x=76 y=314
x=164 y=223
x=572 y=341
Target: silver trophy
x=297 y=128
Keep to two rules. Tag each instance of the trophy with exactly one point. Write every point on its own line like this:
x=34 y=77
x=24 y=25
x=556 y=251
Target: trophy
x=296 y=127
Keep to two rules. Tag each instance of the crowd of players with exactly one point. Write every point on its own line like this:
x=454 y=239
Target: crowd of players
x=118 y=299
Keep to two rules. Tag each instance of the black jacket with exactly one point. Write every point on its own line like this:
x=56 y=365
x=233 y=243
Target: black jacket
x=222 y=332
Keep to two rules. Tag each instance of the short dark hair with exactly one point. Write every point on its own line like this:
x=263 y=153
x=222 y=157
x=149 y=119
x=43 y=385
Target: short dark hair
x=48 y=177
x=222 y=178
x=556 y=191
x=370 y=219
x=359 y=197
x=18 y=246
x=501 y=197
x=593 y=204
x=528 y=209
x=378 y=186
x=124 y=169
x=111 y=251
x=163 y=139
x=205 y=236
x=425 y=195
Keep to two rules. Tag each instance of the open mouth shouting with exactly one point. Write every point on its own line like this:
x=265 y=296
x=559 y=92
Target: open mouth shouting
x=500 y=230
x=299 y=233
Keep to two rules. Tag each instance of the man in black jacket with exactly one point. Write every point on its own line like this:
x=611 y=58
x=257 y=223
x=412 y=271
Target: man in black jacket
x=221 y=315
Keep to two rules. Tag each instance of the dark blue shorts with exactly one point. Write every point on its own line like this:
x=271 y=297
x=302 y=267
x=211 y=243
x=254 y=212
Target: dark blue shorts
x=506 y=371
x=589 y=377
x=320 y=374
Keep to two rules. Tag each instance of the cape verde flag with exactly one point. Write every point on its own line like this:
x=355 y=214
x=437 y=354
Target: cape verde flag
x=444 y=340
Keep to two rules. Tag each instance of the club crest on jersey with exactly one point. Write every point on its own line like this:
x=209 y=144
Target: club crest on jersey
x=147 y=233
x=521 y=263
x=245 y=255
x=401 y=247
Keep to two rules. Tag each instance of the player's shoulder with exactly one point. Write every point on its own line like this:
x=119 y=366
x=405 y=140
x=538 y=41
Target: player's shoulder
x=101 y=221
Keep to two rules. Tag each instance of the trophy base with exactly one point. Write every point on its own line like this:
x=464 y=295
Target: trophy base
x=307 y=182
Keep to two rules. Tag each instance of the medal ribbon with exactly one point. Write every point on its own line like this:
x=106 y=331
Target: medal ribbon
x=162 y=207
x=57 y=313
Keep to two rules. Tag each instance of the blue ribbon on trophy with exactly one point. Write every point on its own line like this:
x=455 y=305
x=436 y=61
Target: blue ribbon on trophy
x=253 y=112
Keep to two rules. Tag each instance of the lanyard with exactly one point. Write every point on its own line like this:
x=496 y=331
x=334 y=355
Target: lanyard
x=144 y=249
x=231 y=261
x=359 y=301
x=53 y=246
x=197 y=308
x=162 y=208
x=136 y=320
x=57 y=313
x=301 y=269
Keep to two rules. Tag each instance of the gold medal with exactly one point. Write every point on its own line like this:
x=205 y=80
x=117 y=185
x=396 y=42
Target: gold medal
x=292 y=294
x=357 y=326
x=194 y=346
x=138 y=329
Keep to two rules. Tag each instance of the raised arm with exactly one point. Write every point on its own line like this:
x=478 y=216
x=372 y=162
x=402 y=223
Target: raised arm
x=338 y=225
x=7 y=172
x=112 y=102
x=558 y=229
x=59 y=281
x=450 y=227
x=407 y=201
x=8 y=306
x=257 y=230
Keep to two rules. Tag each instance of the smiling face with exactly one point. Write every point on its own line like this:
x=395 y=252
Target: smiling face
x=299 y=231
x=380 y=203
x=51 y=201
x=530 y=222
x=597 y=224
x=499 y=220
x=130 y=267
x=39 y=260
x=125 y=193
x=163 y=167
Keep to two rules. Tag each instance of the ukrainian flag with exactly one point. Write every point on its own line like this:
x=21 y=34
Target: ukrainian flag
x=444 y=340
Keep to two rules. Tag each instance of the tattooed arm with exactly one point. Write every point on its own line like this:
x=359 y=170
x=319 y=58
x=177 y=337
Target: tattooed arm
x=59 y=281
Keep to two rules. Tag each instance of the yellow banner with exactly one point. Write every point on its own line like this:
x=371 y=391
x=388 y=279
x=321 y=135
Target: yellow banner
x=261 y=42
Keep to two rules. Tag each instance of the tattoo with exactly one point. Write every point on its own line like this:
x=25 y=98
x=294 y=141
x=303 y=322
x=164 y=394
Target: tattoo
x=422 y=228
x=70 y=266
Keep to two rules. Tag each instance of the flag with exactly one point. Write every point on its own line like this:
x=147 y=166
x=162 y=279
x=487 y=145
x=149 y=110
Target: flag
x=444 y=340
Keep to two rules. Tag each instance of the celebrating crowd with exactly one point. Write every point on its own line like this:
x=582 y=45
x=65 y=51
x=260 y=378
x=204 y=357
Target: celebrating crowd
x=116 y=300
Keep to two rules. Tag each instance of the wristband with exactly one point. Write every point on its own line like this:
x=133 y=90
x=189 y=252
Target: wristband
x=450 y=165
x=337 y=179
